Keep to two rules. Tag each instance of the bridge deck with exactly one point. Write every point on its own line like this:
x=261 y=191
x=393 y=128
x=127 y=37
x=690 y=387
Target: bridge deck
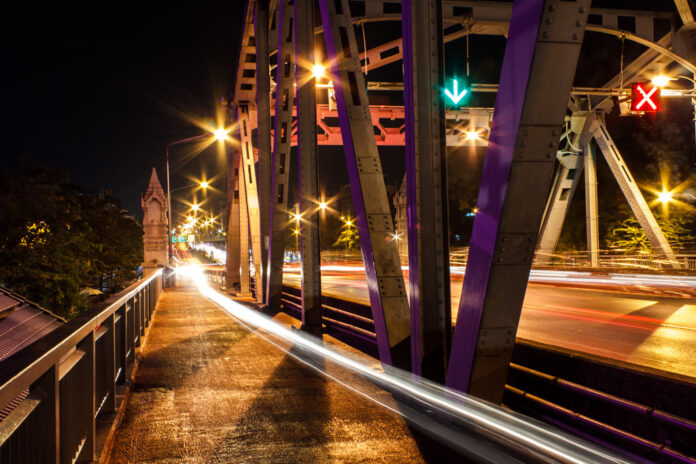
x=209 y=390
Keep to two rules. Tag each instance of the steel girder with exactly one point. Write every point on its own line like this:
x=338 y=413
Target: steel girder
x=263 y=125
x=373 y=214
x=426 y=187
x=251 y=194
x=232 y=265
x=285 y=95
x=631 y=190
x=245 y=280
x=538 y=67
x=562 y=192
x=307 y=154
x=591 y=203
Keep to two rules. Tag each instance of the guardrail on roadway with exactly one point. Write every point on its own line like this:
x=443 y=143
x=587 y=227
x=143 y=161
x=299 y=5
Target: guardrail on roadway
x=65 y=379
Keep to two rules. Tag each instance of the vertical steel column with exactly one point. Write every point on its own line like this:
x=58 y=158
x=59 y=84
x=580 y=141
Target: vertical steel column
x=538 y=67
x=591 y=203
x=245 y=283
x=284 y=96
x=630 y=189
x=426 y=188
x=263 y=129
x=562 y=194
x=308 y=162
x=248 y=173
x=232 y=265
x=385 y=280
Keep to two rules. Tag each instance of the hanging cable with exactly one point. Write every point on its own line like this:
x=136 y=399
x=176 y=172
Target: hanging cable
x=364 y=47
x=468 y=32
x=621 y=76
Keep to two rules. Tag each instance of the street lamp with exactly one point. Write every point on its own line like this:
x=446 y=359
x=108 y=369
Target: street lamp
x=662 y=81
x=219 y=134
x=665 y=196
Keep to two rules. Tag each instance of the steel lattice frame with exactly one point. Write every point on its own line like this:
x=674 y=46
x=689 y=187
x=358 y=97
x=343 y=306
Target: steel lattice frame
x=516 y=178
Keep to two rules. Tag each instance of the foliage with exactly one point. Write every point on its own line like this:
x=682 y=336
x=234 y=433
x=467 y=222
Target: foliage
x=56 y=239
x=348 y=238
x=630 y=237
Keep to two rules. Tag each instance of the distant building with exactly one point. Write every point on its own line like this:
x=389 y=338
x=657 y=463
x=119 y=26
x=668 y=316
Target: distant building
x=154 y=204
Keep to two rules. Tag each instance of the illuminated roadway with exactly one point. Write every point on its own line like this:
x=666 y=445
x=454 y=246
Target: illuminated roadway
x=651 y=321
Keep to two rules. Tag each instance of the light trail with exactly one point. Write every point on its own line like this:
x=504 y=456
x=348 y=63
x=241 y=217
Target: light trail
x=543 y=275
x=488 y=427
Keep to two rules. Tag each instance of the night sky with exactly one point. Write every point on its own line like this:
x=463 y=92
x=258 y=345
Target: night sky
x=100 y=90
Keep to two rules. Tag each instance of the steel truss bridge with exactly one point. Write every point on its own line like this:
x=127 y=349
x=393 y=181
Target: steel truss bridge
x=542 y=134
x=539 y=139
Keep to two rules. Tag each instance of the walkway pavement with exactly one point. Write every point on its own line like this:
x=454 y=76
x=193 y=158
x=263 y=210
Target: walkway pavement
x=208 y=390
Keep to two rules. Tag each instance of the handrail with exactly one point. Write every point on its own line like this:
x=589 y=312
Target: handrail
x=23 y=368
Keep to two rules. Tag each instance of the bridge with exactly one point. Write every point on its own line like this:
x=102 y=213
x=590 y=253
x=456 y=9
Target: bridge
x=414 y=348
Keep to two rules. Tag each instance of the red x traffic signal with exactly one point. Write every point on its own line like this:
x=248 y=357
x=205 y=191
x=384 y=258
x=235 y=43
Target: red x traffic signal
x=645 y=98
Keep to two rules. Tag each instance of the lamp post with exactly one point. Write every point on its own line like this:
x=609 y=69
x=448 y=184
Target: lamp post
x=220 y=135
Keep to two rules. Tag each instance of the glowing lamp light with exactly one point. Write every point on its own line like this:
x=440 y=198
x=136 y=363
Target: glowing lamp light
x=661 y=80
x=664 y=196
x=322 y=205
x=220 y=134
x=318 y=71
x=195 y=207
x=297 y=217
x=472 y=136
x=205 y=185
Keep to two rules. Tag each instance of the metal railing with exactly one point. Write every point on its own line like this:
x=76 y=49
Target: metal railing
x=69 y=377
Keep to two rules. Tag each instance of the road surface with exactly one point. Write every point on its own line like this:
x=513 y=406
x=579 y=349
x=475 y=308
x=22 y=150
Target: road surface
x=651 y=330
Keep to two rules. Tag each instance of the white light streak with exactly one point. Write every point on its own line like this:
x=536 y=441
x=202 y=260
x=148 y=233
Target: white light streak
x=479 y=416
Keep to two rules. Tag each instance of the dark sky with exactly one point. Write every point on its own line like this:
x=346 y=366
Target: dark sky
x=99 y=90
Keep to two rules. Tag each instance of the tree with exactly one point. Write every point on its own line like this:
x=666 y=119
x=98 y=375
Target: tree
x=348 y=238
x=630 y=237
x=56 y=239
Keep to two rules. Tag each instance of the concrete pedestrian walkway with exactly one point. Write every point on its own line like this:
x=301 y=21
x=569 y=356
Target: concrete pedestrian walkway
x=208 y=390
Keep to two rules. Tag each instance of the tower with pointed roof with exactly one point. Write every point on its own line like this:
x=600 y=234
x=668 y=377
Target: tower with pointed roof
x=154 y=204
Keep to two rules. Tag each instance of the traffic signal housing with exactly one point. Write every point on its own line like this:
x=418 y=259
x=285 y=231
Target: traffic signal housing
x=645 y=98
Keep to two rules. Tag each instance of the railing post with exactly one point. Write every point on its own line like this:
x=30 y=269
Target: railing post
x=123 y=310
x=110 y=358
x=48 y=387
x=88 y=389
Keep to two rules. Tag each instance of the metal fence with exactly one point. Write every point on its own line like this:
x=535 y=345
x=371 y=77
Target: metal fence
x=69 y=377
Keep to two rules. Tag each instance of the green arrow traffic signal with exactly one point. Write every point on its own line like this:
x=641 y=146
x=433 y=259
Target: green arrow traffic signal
x=455 y=95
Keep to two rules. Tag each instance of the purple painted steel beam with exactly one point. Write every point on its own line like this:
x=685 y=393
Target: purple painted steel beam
x=285 y=94
x=373 y=215
x=426 y=182
x=538 y=68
